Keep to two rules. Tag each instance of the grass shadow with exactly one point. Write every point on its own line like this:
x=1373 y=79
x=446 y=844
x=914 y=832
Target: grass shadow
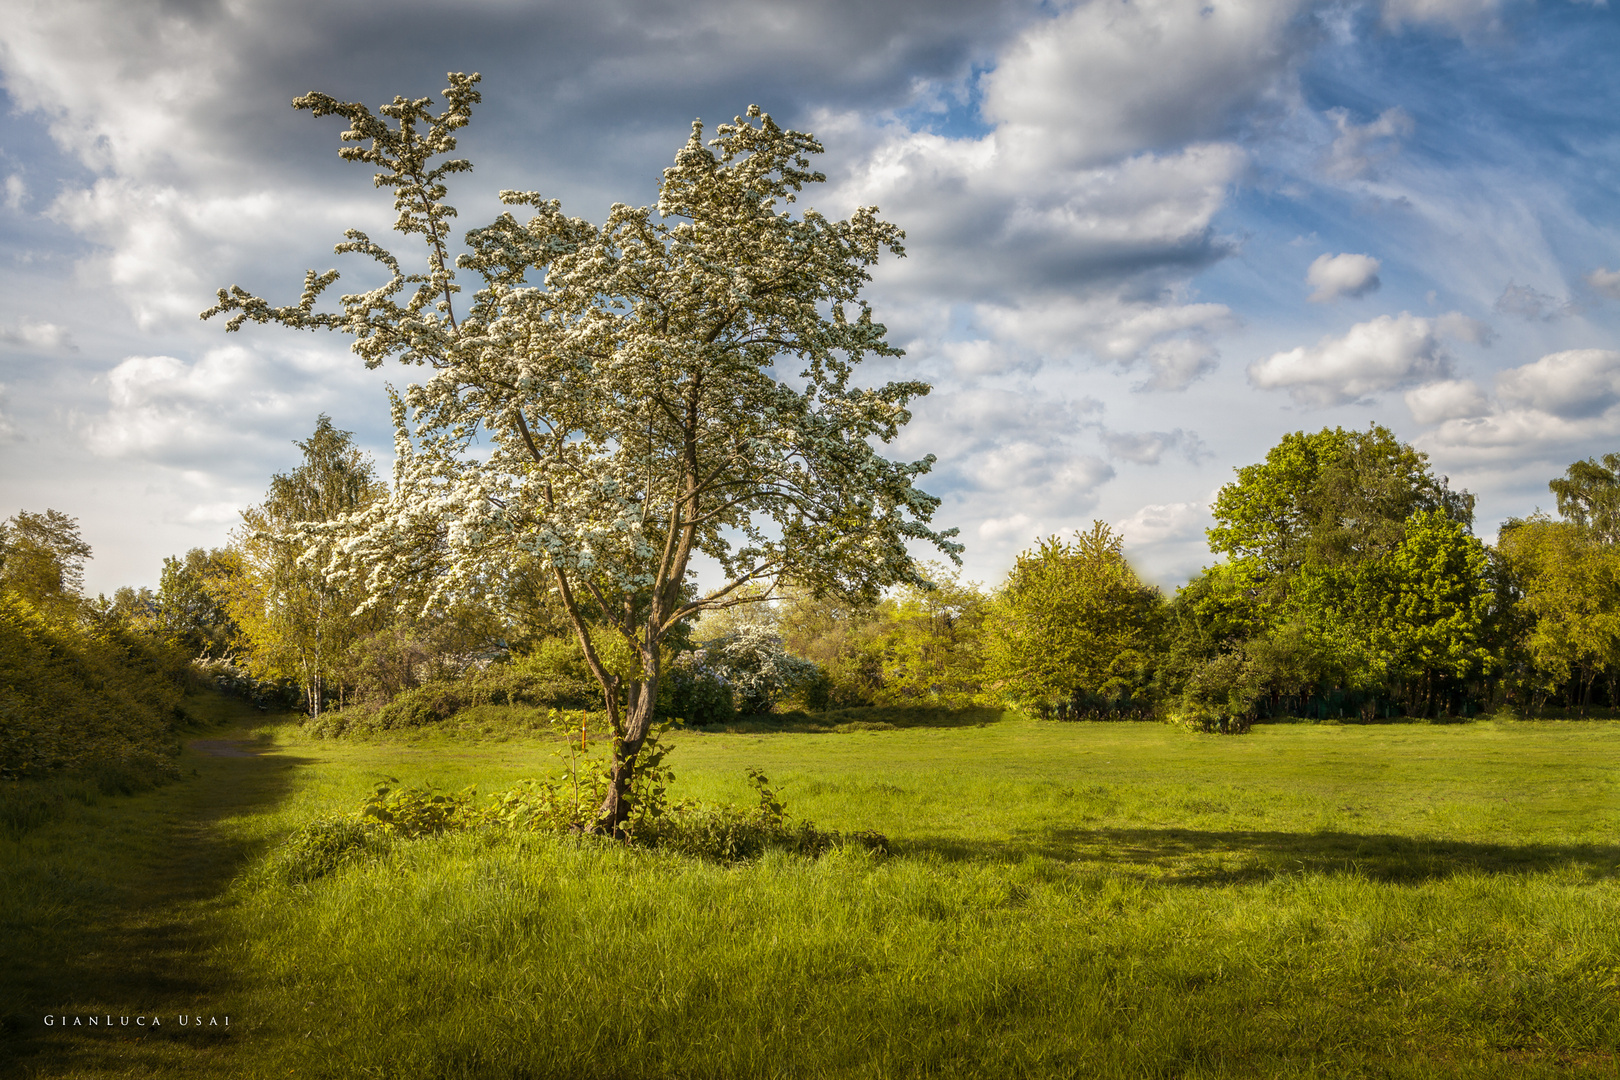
x=1204 y=857
x=110 y=914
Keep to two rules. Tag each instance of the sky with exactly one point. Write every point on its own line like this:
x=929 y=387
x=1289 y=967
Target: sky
x=1145 y=239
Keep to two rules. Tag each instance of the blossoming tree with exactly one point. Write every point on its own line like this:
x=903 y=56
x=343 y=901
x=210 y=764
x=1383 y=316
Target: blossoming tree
x=619 y=400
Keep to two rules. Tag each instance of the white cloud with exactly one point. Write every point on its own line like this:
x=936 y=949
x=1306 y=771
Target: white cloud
x=37 y=335
x=1532 y=305
x=1447 y=399
x=1073 y=226
x=1161 y=523
x=227 y=407
x=1605 y=281
x=1562 y=403
x=16 y=192
x=1382 y=354
x=1334 y=276
x=1577 y=383
x=1109 y=79
x=1359 y=149
x=1149 y=447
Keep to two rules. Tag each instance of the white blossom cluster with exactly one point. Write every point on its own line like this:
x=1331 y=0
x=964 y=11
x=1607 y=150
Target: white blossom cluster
x=608 y=401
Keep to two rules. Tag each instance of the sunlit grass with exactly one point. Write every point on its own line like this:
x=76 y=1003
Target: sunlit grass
x=1063 y=899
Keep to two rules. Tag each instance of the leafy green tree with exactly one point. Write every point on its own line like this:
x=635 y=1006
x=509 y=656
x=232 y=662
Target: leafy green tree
x=42 y=556
x=618 y=400
x=1420 y=620
x=187 y=609
x=1589 y=496
x=299 y=621
x=844 y=639
x=1327 y=541
x=1570 y=583
x=932 y=641
x=1331 y=497
x=1073 y=620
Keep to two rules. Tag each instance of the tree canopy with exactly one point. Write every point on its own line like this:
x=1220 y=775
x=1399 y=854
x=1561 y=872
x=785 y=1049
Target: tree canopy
x=619 y=399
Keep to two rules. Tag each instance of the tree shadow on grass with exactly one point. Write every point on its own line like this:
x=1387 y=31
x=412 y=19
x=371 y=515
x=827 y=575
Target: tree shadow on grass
x=116 y=917
x=1205 y=857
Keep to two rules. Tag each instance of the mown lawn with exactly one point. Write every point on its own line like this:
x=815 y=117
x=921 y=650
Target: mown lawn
x=1061 y=900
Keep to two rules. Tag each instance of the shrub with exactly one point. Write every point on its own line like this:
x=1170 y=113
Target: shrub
x=691 y=691
x=564 y=804
x=411 y=812
x=553 y=676
x=1221 y=695
x=322 y=846
x=75 y=692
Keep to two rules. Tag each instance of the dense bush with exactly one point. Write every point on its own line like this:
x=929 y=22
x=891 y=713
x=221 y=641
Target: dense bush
x=75 y=692
x=691 y=691
x=717 y=832
x=554 y=676
x=224 y=674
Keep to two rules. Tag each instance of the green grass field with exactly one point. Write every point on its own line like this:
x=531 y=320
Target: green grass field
x=1061 y=900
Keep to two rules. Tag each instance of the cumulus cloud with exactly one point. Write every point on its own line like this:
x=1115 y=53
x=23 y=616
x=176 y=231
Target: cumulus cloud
x=1150 y=74
x=1446 y=399
x=1359 y=149
x=1605 y=281
x=1558 y=404
x=1531 y=305
x=37 y=335
x=1074 y=224
x=1385 y=353
x=1149 y=447
x=1160 y=523
x=1334 y=276
x=1577 y=383
x=224 y=409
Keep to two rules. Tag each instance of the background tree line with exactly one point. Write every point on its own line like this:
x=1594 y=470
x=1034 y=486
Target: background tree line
x=1349 y=584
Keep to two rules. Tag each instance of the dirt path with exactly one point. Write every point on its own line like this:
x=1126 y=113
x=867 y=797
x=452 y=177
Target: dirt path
x=117 y=915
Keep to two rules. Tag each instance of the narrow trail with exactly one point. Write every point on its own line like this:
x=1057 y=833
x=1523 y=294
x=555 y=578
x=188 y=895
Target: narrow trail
x=125 y=918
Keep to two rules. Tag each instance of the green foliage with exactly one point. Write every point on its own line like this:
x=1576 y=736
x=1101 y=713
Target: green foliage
x=931 y=643
x=1221 y=694
x=1588 y=496
x=188 y=608
x=42 y=556
x=298 y=622
x=1073 y=620
x=552 y=677
x=691 y=691
x=1352 y=575
x=1568 y=578
x=74 y=693
x=322 y=846
x=411 y=812
x=1329 y=498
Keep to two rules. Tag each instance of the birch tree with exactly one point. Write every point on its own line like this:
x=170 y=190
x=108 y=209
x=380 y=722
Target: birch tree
x=621 y=399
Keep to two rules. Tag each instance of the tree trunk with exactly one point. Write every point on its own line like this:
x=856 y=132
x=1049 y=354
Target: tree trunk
x=616 y=808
